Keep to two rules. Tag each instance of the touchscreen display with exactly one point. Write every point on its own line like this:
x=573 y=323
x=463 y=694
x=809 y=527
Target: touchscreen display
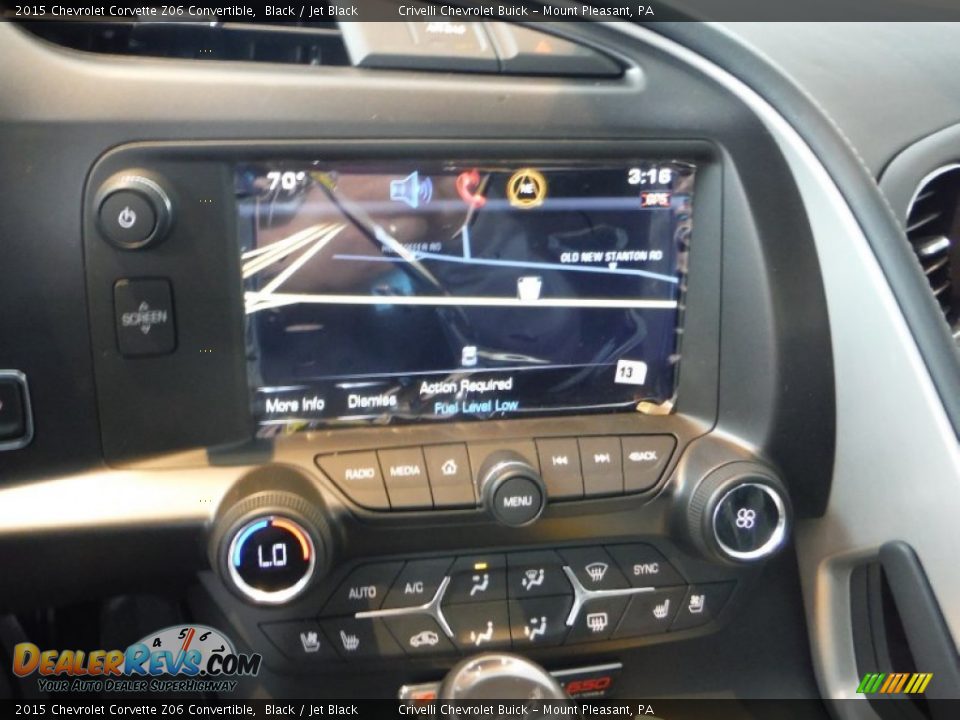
x=379 y=292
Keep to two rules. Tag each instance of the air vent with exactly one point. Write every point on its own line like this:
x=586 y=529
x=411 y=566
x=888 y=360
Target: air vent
x=933 y=229
x=295 y=43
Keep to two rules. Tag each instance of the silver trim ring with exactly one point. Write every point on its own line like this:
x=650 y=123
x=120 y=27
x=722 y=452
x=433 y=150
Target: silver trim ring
x=776 y=538
x=265 y=597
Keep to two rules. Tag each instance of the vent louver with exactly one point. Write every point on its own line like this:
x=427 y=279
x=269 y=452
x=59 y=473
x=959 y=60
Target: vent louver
x=933 y=229
x=295 y=43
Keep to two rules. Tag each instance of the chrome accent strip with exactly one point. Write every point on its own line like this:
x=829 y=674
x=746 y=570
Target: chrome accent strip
x=581 y=596
x=431 y=608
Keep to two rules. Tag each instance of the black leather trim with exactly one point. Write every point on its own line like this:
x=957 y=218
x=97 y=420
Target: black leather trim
x=870 y=209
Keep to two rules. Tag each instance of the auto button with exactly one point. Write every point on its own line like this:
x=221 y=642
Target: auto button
x=364 y=589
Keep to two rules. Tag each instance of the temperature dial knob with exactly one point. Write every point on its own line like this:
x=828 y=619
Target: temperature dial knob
x=271 y=546
x=739 y=513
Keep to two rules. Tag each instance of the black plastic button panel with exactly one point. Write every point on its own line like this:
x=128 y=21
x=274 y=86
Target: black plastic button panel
x=441 y=476
x=523 y=600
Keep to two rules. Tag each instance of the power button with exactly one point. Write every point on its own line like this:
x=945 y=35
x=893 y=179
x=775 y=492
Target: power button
x=133 y=210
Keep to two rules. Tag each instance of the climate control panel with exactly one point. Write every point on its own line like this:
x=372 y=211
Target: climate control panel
x=524 y=600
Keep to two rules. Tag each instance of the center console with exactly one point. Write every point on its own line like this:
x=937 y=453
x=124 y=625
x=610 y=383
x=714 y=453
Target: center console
x=468 y=389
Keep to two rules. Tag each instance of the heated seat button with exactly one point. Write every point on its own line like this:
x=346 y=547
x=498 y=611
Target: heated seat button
x=358 y=476
x=476 y=579
x=143 y=310
x=405 y=476
x=479 y=626
x=535 y=574
x=127 y=219
x=600 y=458
x=597 y=619
x=701 y=605
x=451 y=481
x=560 y=468
x=594 y=568
x=417 y=583
x=540 y=621
x=644 y=458
x=419 y=634
x=650 y=612
x=300 y=640
x=365 y=638
x=364 y=589
x=644 y=566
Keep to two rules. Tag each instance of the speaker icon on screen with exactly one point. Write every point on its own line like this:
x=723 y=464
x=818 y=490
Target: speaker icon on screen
x=412 y=190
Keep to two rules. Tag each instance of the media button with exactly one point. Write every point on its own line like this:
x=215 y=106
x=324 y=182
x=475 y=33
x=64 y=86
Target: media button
x=451 y=481
x=644 y=458
x=600 y=458
x=405 y=475
x=417 y=583
x=560 y=467
x=364 y=589
x=358 y=476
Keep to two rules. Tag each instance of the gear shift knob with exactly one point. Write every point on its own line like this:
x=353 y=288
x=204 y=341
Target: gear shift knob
x=499 y=676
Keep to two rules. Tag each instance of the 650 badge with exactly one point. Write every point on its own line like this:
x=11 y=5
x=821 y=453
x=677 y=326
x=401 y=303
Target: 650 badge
x=191 y=651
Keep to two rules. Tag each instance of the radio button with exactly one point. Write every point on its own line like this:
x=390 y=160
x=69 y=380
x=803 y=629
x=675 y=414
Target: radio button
x=451 y=481
x=651 y=612
x=600 y=458
x=535 y=574
x=644 y=458
x=364 y=589
x=477 y=578
x=358 y=476
x=539 y=622
x=644 y=566
x=405 y=475
x=560 y=468
x=594 y=568
x=479 y=626
x=417 y=583
x=701 y=605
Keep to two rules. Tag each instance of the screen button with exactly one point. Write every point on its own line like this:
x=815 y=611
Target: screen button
x=358 y=476
x=144 y=317
x=451 y=481
x=644 y=458
x=13 y=416
x=600 y=458
x=560 y=467
x=417 y=583
x=405 y=475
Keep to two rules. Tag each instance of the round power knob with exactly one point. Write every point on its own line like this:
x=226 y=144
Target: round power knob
x=269 y=547
x=133 y=210
x=739 y=513
x=511 y=489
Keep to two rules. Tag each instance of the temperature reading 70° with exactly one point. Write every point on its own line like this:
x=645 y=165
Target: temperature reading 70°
x=651 y=176
x=287 y=180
